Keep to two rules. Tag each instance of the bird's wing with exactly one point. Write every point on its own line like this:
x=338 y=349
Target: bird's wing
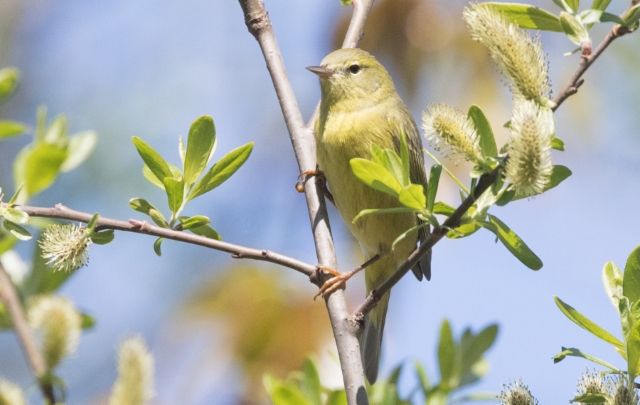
x=418 y=176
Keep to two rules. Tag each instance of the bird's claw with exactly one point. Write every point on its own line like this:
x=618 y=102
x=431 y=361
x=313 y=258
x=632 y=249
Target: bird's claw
x=304 y=176
x=333 y=284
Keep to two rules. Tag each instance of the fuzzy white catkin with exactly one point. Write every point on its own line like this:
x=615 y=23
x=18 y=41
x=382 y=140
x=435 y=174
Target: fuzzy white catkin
x=622 y=392
x=65 y=247
x=517 y=394
x=59 y=325
x=529 y=165
x=10 y=394
x=134 y=385
x=446 y=127
x=519 y=57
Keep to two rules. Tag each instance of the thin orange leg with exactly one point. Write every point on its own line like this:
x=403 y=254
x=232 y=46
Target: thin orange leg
x=339 y=281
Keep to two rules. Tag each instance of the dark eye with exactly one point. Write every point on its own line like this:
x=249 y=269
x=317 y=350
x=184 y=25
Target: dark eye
x=354 y=69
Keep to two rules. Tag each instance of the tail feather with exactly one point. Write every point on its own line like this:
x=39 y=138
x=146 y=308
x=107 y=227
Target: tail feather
x=371 y=339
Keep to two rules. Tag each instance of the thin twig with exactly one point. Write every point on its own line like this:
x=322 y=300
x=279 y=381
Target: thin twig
x=302 y=139
x=25 y=335
x=59 y=211
x=586 y=60
x=453 y=221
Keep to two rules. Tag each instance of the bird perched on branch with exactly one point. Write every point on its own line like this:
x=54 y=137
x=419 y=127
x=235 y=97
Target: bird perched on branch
x=360 y=107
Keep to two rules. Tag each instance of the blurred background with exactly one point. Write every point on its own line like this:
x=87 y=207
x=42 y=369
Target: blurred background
x=215 y=325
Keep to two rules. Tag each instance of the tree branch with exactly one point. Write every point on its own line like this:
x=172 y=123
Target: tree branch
x=586 y=60
x=302 y=139
x=453 y=221
x=25 y=335
x=59 y=211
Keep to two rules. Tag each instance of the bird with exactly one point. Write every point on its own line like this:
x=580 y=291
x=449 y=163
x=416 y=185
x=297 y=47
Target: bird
x=360 y=106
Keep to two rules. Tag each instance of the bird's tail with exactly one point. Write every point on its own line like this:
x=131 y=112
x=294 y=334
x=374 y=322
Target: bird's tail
x=371 y=339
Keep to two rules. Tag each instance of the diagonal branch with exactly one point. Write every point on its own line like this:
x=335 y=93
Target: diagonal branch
x=25 y=335
x=59 y=211
x=453 y=221
x=587 y=59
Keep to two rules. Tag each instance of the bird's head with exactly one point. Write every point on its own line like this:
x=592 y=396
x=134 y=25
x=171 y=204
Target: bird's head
x=353 y=78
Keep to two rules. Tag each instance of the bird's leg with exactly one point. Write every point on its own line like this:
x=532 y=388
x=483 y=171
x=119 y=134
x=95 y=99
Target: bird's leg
x=339 y=281
x=304 y=176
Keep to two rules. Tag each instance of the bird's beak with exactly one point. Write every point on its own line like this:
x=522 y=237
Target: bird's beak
x=320 y=71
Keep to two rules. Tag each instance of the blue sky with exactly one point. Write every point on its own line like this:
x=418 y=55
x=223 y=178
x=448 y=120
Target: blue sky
x=148 y=69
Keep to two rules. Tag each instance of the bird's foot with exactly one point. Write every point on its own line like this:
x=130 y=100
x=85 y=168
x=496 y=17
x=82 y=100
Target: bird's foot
x=304 y=176
x=340 y=279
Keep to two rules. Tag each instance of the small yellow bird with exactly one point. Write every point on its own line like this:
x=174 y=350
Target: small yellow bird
x=359 y=107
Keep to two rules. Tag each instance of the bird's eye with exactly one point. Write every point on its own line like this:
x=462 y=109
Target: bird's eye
x=354 y=69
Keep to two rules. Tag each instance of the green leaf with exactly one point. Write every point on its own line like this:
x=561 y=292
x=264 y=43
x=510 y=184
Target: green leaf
x=586 y=323
x=158 y=218
x=600 y=4
x=87 y=321
x=222 y=170
x=589 y=398
x=16 y=216
x=407 y=233
x=56 y=134
x=432 y=189
x=194 y=221
x=612 y=280
x=512 y=242
x=141 y=205
x=103 y=238
x=626 y=317
x=338 y=397
x=590 y=17
x=382 y=211
x=5 y=319
x=37 y=166
x=443 y=209
x=573 y=29
x=476 y=346
x=157 y=246
x=423 y=378
x=413 y=197
x=175 y=193
x=8 y=79
x=202 y=137
x=562 y=4
x=311 y=382
x=632 y=16
x=181 y=150
x=464 y=230
x=152 y=159
x=608 y=17
x=577 y=353
x=446 y=352
x=148 y=174
x=346 y=2
x=560 y=173
x=91 y=226
x=288 y=395
x=392 y=162
x=557 y=144
x=633 y=352
x=375 y=176
x=487 y=141
x=78 y=150
x=15 y=195
x=573 y=4
x=11 y=128
x=16 y=230
x=528 y=17
x=206 y=231
x=631 y=280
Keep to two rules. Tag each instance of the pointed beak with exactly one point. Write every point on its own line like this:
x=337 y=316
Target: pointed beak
x=320 y=71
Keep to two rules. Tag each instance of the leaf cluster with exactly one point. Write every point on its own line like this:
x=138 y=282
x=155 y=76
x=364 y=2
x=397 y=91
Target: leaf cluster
x=623 y=289
x=461 y=364
x=182 y=186
x=388 y=172
x=573 y=23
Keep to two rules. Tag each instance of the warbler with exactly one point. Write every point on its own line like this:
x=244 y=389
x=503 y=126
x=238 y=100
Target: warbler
x=360 y=107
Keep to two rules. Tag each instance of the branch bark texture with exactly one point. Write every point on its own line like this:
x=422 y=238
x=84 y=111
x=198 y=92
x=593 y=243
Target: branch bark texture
x=302 y=139
x=25 y=335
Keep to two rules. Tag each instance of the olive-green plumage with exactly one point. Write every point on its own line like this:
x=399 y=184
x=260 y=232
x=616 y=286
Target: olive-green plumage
x=360 y=106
